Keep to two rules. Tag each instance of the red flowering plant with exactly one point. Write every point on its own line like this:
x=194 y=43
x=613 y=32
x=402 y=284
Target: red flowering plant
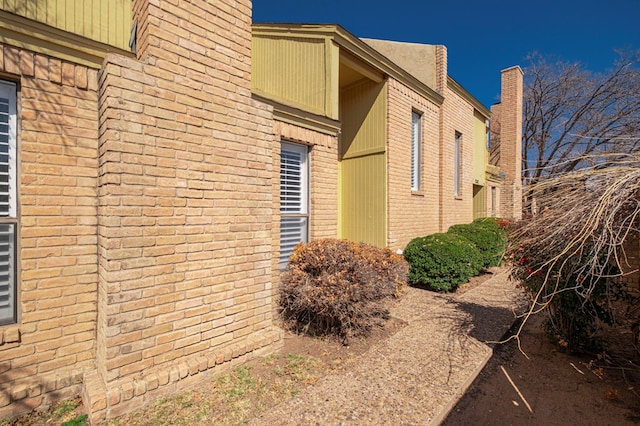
x=574 y=299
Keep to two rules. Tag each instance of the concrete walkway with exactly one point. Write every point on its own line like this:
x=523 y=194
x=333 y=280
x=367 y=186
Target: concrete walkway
x=416 y=376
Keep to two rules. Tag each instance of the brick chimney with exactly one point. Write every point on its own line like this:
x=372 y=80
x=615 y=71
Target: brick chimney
x=506 y=150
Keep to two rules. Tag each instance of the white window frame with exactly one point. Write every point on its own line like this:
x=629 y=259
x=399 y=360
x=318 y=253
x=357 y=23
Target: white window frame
x=457 y=159
x=416 y=151
x=294 y=207
x=8 y=206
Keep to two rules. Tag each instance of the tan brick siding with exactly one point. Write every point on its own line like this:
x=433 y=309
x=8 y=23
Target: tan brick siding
x=146 y=208
x=411 y=214
x=458 y=117
x=185 y=207
x=44 y=355
x=630 y=263
x=507 y=134
x=323 y=186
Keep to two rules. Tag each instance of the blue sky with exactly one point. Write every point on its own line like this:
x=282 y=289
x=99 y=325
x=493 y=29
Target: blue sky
x=482 y=38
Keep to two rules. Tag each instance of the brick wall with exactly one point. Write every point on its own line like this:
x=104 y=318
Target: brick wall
x=507 y=135
x=411 y=214
x=458 y=117
x=496 y=187
x=44 y=355
x=185 y=207
x=630 y=262
x=323 y=179
x=323 y=186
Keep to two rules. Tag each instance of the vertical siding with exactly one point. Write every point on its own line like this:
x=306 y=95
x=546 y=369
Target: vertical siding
x=479 y=201
x=363 y=177
x=363 y=199
x=105 y=21
x=480 y=149
x=363 y=107
x=291 y=70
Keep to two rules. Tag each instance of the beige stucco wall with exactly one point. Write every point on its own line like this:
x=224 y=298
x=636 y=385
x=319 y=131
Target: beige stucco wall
x=418 y=59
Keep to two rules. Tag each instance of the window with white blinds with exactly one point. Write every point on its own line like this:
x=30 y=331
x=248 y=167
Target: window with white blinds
x=8 y=204
x=416 y=139
x=294 y=205
x=457 y=158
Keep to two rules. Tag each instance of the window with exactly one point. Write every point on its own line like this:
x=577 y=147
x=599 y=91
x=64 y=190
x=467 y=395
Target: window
x=8 y=204
x=493 y=201
x=294 y=205
x=457 y=159
x=416 y=139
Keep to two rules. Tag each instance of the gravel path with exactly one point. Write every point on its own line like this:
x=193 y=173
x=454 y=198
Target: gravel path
x=416 y=376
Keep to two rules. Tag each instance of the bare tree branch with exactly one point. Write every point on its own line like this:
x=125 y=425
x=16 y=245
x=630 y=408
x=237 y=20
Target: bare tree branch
x=571 y=114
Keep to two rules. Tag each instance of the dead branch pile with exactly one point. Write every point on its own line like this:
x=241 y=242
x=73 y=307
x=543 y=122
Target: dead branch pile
x=574 y=238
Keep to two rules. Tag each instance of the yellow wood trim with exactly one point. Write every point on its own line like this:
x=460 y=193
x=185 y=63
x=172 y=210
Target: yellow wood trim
x=332 y=79
x=41 y=38
x=364 y=153
x=356 y=47
x=340 y=224
x=491 y=169
x=493 y=173
x=301 y=118
x=267 y=97
x=356 y=65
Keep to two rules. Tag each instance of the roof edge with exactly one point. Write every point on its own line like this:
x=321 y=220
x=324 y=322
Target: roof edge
x=457 y=87
x=352 y=44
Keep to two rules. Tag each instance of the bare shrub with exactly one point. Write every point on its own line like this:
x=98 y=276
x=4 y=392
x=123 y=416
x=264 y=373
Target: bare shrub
x=341 y=288
x=570 y=256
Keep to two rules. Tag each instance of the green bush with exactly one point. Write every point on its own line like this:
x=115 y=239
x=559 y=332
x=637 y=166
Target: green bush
x=487 y=236
x=339 y=287
x=442 y=262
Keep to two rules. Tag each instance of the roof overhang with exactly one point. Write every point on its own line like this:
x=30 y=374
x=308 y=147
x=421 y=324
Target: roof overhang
x=350 y=46
x=462 y=92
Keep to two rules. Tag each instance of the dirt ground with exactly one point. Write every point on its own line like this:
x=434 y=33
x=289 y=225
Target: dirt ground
x=560 y=389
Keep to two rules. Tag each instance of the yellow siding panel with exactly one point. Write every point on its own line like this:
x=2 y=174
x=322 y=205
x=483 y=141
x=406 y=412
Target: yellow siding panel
x=291 y=71
x=363 y=116
x=104 y=25
x=480 y=151
x=479 y=201
x=105 y=21
x=51 y=15
x=363 y=170
x=40 y=12
x=363 y=199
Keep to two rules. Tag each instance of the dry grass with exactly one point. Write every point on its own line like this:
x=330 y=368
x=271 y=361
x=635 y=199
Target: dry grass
x=236 y=397
x=65 y=413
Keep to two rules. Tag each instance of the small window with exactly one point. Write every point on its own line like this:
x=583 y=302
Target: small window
x=416 y=142
x=493 y=201
x=457 y=158
x=294 y=204
x=8 y=203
